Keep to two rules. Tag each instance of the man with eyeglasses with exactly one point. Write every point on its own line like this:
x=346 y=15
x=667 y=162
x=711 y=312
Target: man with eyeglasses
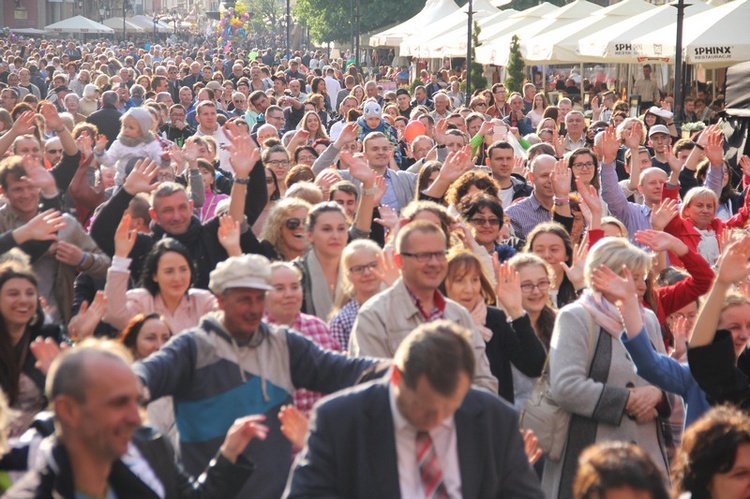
x=388 y=317
x=501 y=108
x=176 y=129
x=239 y=105
x=53 y=151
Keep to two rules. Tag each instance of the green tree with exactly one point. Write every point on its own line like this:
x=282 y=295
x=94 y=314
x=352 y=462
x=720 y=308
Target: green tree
x=477 y=70
x=330 y=20
x=516 y=67
x=267 y=13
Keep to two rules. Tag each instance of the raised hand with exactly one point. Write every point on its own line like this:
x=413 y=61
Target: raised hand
x=177 y=155
x=714 y=148
x=558 y=142
x=141 y=179
x=561 y=179
x=387 y=271
x=85 y=144
x=733 y=264
x=244 y=155
x=659 y=241
x=590 y=201
x=632 y=138
x=242 y=431
x=49 y=113
x=575 y=271
x=229 y=235
x=101 y=143
x=190 y=152
x=619 y=287
x=663 y=214
x=83 y=324
x=680 y=330
x=39 y=176
x=608 y=147
x=456 y=164
x=124 y=237
x=46 y=351
x=382 y=187
x=519 y=166
x=24 y=124
x=388 y=217
x=358 y=167
x=348 y=135
x=508 y=288
x=745 y=165
x=440 y=131
x=293 y=425
x=43 y=227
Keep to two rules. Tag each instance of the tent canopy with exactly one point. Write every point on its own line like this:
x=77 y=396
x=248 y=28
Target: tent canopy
x=560 y=45
x=448 y=38
x=724 y=37
x=116 y=24
x=432 y=11
x=738 y=93
x=147 y=23
x=496 y=50
x=615 y=43
x=78 y=24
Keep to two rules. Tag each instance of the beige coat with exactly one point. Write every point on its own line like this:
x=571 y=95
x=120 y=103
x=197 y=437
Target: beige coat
x=388 y=317
x=598 y=408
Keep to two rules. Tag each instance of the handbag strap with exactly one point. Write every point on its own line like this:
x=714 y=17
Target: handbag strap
x=592 y=330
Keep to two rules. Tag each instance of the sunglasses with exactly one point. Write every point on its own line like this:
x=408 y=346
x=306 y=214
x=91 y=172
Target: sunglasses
x=293 y=223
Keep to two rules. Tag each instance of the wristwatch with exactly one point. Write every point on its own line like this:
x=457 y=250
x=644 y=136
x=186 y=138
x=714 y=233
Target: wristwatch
x=242 y=180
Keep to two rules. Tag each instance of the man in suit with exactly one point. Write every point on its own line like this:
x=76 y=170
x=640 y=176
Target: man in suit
x=101 y=450
x=422 y=433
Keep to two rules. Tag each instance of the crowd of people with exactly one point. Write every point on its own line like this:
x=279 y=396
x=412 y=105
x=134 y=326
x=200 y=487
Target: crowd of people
x=371 y=317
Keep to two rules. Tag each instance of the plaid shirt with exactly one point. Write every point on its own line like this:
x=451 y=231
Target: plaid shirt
x=341 y=324
x=317 y=331
x=434 y=314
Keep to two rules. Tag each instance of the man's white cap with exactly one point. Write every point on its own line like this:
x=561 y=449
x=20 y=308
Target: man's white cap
x=246 y=271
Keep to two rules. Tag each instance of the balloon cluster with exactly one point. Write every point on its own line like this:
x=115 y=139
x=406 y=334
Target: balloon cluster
x=234 y=25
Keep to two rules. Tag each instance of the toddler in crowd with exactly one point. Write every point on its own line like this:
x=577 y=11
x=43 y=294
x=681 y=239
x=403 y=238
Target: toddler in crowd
x=135 y=140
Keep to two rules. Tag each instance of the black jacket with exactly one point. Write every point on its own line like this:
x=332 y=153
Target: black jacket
x=714 y=369
x=514 y=343
x=54 y=477
x=107 y=121
x=200 y=239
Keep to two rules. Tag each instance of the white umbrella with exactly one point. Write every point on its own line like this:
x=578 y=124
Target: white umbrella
x=726 y=39
x=717 y=48
x=615 y=44
x=78 y=24
x=421 y=44
x=560 y=45
x=116 y=24
x=147 y=23
x=497 y=50
x=432 y=11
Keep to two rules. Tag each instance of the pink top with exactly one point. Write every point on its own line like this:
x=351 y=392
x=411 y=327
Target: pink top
x=123 y=305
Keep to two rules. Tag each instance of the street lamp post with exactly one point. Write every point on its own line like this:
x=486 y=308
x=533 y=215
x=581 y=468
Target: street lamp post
x=125 y=7
x=356 y=16
x=470 y=12
x=288 y=23
x=680 y=5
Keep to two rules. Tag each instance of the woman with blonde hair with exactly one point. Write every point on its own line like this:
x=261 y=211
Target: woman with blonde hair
x=592 y=376
x=366 y=270
x=283 y=237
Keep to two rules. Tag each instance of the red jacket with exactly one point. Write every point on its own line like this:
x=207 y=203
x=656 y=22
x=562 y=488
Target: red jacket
x=683 y=229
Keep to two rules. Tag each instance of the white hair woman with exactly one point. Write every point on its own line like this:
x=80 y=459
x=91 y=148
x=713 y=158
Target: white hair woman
x=593 y=378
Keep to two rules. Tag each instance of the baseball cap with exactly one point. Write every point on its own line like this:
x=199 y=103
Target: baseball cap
x=246 y=271
x=403 y=91
x=658 y=129
x=372 y=110
x=214 y=85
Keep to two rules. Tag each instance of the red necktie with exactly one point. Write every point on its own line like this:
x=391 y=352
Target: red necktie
x=429 y=468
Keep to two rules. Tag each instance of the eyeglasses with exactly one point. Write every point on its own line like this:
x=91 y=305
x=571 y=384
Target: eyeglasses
x=54 y=151
x=542 y=286
x=277 y=162
x=361 y=269
x=589 y=165
x=293 y=223
x=485 y=221
x=425 y=257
